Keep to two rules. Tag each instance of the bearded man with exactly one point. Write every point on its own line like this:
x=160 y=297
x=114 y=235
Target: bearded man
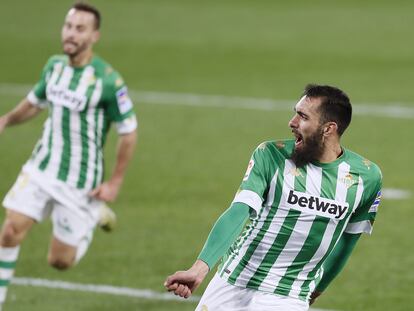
x=303 y=205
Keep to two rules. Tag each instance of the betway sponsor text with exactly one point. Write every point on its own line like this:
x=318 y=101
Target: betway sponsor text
x=316 y=205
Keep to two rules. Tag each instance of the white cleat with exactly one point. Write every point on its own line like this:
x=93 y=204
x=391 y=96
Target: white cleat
x=107 y=218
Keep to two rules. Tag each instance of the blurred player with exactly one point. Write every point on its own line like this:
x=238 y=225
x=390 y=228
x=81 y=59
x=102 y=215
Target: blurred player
x=64 y=176
x=306 y=202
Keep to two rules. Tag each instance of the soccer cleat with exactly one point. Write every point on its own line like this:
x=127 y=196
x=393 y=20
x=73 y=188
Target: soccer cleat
x=107 y=218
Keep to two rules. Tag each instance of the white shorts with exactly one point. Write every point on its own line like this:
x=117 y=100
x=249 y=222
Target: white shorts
x=73 y=213
x=222 y=296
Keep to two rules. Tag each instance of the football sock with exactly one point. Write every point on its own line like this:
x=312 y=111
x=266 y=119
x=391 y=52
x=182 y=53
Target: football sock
x=8 y=258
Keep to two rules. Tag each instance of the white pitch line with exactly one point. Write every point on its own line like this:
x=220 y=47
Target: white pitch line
x=395 y=194
x=107 y=289
x=387 y=110
x=101 y=289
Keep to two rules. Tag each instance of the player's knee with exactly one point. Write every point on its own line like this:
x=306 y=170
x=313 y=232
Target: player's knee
x=10 y=235
x=60 y=263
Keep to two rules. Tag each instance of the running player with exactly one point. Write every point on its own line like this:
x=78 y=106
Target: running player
x=306 y=201
x=64 y=176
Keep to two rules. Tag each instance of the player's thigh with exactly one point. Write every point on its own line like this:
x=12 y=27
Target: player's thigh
x=71 y=227
x=26 y=202
x=28 y=196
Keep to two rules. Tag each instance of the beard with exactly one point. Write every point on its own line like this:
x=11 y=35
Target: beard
x=311 y=150
x=75 y=50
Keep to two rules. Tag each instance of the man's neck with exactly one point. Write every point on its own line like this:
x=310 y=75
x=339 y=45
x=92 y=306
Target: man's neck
x=331 y=153
x=81 y=59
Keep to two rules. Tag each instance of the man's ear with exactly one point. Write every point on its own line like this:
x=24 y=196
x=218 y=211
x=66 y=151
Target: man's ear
x=96 y=36
x=329 y=129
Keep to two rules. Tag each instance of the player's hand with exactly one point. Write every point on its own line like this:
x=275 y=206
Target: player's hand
x=184 y=283
x=107 y=191
x=313 y=297
x=3 y=123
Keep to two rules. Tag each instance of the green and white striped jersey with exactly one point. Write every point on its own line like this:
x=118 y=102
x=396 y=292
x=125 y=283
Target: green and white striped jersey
x=82 y=102
x=297 y=217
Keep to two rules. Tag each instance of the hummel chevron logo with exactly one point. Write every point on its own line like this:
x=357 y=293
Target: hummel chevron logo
x=317 y=205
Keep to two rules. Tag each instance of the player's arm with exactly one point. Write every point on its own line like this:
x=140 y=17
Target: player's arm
x=360 y=222
x=335 y=262
x=24 y=111
x=224 y=232
x=108 y=191
x=119 y=108
x=228 y=227
x=31 y=105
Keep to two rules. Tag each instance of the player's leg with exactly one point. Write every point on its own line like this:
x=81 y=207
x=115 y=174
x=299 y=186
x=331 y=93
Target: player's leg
x=25 y=203
x=61 y=255
x=72 y=234
x=13 y=231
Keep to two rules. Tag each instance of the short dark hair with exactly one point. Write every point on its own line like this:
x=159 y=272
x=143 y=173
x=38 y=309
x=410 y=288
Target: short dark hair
x=82 y=6
x=335 y=105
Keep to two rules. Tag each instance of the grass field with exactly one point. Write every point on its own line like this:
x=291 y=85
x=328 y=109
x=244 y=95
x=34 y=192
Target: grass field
x=190 y=159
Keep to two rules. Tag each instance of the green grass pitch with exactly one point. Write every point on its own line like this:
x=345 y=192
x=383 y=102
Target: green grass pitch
x=190 y=160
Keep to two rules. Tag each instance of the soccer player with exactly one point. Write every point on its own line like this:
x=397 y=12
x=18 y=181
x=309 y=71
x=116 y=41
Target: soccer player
x=306 y=202
x=63 y=178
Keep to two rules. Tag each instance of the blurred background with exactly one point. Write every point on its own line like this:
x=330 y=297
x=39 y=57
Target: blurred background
x=211 y=80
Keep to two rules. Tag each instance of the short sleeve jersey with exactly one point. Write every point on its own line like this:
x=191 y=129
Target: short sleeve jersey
x=83 y=102
x=298 y=216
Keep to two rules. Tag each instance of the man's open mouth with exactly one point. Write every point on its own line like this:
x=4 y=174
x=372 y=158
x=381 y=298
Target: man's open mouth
x=298 y=139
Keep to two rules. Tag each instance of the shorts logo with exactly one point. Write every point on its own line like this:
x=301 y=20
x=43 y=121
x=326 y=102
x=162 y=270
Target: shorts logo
x=249 y=169
x=316 y=205
x=63 y=224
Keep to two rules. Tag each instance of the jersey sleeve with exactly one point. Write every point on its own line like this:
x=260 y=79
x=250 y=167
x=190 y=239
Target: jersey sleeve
x=37 y=96
x=255 y=181
x=120 y=108
x=362 y=220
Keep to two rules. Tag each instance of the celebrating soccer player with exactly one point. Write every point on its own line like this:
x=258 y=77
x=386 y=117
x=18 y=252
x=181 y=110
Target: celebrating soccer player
x=305 y=201
x=64 y=175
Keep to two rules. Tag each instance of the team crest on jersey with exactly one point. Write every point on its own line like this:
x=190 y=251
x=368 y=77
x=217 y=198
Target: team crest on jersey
x=262 y=146
x=348 y=180
x=249 y=169
x=124 y=102
x=204 y=308
x=92 y=80
x=296 y=172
